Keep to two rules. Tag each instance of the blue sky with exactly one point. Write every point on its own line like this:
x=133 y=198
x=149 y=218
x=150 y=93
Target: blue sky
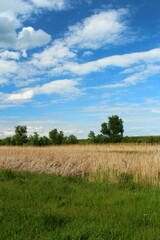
x=69 y=65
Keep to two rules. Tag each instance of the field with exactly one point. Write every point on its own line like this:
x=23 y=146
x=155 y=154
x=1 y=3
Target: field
x=90 y=192
x=110 y=162
x=50 y=207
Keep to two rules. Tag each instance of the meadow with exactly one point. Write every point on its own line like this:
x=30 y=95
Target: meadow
x=41 y=206
x=110 y=162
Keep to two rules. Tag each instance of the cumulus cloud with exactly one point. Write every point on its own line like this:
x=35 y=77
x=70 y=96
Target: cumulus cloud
x=12 y=15
x=7 y=33
x=99 y=30
x=30 y=38
x=9 y=55
x=17 y=73
x=10 y=9
x=27 y=38
x=104 y=28
x=7 y=66
x=18 y=10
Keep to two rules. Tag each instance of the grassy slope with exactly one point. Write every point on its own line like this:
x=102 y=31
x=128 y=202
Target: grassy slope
x=49 y=207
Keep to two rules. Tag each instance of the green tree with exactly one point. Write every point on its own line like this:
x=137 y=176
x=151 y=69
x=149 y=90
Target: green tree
x=8 y=141
x=113 y=129
x=92 y=136
x=44 y=141
x=34 y=140
x=20 y=136
x=56 y=137
x=100 y=138
x=71 y=139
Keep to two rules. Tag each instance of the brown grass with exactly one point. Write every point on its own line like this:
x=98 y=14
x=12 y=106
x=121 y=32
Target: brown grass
x=97 y=161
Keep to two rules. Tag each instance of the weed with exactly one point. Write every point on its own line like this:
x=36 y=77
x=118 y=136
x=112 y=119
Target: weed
x=125 y=178
x=7 y=174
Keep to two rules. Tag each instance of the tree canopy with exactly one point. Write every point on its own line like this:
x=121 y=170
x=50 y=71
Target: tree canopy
x=113 y=129
x=20 y=136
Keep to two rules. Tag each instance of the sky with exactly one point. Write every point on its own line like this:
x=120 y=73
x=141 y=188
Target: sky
x=70 y=65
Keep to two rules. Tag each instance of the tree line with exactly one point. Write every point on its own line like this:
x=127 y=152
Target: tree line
x=111 y=132
x=20 y=138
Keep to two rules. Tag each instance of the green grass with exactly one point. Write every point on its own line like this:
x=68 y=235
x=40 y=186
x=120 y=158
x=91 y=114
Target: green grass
x=49 y=207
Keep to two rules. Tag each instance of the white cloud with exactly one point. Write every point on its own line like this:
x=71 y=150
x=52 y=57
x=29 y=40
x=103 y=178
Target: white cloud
x=28 y=94
x=31 y=130
x=18 y=10
x=153 y=100
x=52 y=56
x=7 y=33
x=27 y=38
x=8 y=133
x=87 y=53
x=104 y=28
x=30 y=38
x=7 y=67
x=44 y=126
x=124 y=109
x=9 y=55
x=51 y=4
x=156 y=111
x=26 y=82
x=12 y=8
x=148 y=71
x=123 y=61
x=62 y=87
x=3 y=81
x=24 y=53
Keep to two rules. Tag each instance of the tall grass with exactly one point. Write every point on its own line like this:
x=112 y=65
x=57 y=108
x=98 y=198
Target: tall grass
x=111 y=162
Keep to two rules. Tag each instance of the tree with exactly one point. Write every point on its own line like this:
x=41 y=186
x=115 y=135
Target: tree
x=113 y=129
x=100 y=138
x=105 y=129
x=44 y=141
x=8 y=141
x=34 y=140
x=20 y=136
x=71 y=139
x=56 y=137
x=92 y=136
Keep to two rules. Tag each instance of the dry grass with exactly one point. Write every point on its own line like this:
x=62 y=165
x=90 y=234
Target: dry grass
x=96 y=161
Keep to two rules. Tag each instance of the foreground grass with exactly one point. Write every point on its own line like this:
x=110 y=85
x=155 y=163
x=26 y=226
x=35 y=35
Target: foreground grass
x=50 y=207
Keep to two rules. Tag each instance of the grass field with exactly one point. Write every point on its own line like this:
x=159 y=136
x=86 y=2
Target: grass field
x=50 y=207
x=109 y=162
